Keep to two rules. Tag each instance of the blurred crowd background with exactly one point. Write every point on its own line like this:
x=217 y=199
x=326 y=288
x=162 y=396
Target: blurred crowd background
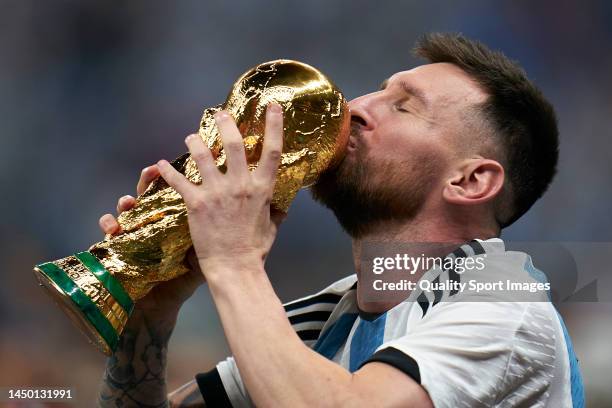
x=93 y=91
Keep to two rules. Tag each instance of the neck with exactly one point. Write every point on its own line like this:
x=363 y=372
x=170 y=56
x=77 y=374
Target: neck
x=420 y=230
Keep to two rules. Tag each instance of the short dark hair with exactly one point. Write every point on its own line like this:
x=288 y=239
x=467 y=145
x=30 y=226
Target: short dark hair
x=524 y=121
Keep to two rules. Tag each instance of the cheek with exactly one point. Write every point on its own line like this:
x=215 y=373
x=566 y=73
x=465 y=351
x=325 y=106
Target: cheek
x=408 y=156
x=405 y=148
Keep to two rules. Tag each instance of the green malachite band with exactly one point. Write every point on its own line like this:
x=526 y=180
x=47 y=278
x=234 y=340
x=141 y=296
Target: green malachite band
x=110 y=283
x=91 y=311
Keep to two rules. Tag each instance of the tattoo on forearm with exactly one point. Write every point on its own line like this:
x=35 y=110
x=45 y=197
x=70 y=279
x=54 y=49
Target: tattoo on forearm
x=136 y=373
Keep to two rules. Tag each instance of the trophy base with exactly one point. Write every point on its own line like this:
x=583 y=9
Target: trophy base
x=76 y=315
x=91 y=297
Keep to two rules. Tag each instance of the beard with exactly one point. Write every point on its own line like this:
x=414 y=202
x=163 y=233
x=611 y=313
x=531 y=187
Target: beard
x=365 y=196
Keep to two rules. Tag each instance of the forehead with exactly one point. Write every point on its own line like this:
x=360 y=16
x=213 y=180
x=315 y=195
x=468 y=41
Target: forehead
x=442 y=83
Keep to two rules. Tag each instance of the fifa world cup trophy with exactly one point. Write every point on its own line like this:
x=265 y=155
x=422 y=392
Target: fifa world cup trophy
x=97 y=288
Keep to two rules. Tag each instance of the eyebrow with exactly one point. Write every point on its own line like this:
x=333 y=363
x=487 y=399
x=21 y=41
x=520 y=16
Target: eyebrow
x=410 y=90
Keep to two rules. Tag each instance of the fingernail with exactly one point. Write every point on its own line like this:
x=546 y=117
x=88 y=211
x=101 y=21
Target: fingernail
x=221 y=115
x=106 y=222
x=145 y=169
x=275 y=107
x=162 y=163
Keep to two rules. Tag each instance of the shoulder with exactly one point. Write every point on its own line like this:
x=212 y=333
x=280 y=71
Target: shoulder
x=330 y=295
x=499 y=275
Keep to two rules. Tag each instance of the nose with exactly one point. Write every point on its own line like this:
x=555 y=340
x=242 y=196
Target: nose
x=361 y=114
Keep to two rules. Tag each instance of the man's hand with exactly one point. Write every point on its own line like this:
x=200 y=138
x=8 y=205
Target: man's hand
x=229 y=214
x=166 y=297
x=232 y=231
x=135 y=373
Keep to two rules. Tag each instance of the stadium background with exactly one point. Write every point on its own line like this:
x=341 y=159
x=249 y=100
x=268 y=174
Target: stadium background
x=91 y=92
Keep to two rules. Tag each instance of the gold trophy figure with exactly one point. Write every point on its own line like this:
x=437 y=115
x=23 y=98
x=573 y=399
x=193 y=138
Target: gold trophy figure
x=97 y=288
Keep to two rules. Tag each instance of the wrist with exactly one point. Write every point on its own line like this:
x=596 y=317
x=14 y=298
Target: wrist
x=223 y=267
x=157 y=325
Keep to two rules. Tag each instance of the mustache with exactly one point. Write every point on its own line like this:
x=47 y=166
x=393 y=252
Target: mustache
x=355 y=130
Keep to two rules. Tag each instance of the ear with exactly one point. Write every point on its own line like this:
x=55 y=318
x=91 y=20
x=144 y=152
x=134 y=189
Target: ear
x=477 y=181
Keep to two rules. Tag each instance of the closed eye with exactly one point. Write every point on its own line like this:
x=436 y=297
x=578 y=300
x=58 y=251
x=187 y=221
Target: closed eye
x=400 y=108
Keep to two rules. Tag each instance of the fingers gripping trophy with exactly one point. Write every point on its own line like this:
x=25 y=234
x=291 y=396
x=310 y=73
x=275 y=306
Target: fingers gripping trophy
x=97 y=288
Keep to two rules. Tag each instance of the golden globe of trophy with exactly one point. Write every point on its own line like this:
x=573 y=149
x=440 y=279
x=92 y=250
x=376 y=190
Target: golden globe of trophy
x=97 y=288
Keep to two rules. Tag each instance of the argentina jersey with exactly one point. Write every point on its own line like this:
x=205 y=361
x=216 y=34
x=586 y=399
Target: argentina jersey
x=465 y=348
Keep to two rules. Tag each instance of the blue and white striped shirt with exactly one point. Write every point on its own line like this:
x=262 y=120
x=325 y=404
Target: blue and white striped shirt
x=465 y=349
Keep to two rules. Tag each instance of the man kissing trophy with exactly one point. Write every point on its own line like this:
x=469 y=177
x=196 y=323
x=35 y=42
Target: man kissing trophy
x=97 y=288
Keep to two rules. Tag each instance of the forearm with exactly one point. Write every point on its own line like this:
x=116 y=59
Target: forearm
x=275 y=365
x=136 y=372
